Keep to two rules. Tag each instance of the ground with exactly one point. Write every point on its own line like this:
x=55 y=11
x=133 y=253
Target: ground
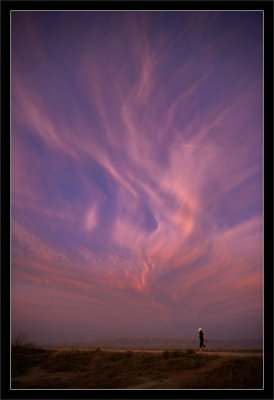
x=135 y=369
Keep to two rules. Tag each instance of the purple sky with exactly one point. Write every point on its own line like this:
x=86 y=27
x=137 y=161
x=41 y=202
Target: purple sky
x=136 y=174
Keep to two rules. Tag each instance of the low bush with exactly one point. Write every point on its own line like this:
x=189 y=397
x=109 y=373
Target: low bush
x=172 y=354
x=190 y=352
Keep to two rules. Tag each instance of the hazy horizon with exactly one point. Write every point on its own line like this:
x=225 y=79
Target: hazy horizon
x=147 y=342
x=136 y=174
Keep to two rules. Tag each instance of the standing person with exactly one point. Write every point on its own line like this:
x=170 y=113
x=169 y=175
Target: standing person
x=201 y=337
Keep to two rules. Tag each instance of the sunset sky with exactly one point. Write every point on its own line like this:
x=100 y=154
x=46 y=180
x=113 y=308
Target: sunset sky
x=136 y=174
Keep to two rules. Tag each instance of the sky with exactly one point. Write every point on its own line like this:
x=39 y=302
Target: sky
x=136 y=174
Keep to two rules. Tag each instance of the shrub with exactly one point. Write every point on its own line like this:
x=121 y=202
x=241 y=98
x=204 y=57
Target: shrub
x=20 y=339
x=190 y=352
x=172 y=354
x=177 y=354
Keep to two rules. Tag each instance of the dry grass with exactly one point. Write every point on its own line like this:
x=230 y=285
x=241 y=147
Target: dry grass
x=233 y=373
x=97 y=369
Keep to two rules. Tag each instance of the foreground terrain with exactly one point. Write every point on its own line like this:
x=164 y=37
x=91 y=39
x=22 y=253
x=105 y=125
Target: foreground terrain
x=113 y=369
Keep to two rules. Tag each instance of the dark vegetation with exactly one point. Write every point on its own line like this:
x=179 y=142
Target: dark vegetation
x=96 y=369
x=234 y=373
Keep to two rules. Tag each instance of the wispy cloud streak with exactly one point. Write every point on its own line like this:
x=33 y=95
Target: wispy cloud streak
x=137 y=167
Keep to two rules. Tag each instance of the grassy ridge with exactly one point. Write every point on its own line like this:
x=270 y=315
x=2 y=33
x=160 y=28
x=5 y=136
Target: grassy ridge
x=99 y=369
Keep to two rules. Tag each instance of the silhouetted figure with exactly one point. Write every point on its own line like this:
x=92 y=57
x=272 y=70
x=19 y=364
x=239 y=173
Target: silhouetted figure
x=201 y=337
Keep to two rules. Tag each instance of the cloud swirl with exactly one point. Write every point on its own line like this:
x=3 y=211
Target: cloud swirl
x=136 y=179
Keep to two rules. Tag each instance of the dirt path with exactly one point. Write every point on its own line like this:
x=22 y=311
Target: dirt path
x=231 y=354
x=185 y=376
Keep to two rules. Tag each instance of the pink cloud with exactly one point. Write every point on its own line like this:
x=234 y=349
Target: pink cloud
x=136 y=183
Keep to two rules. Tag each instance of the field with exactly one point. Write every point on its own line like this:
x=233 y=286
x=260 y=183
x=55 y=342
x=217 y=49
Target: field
x=113 y=369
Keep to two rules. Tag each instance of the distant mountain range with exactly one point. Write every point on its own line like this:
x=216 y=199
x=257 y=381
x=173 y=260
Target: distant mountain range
x=164 y=343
